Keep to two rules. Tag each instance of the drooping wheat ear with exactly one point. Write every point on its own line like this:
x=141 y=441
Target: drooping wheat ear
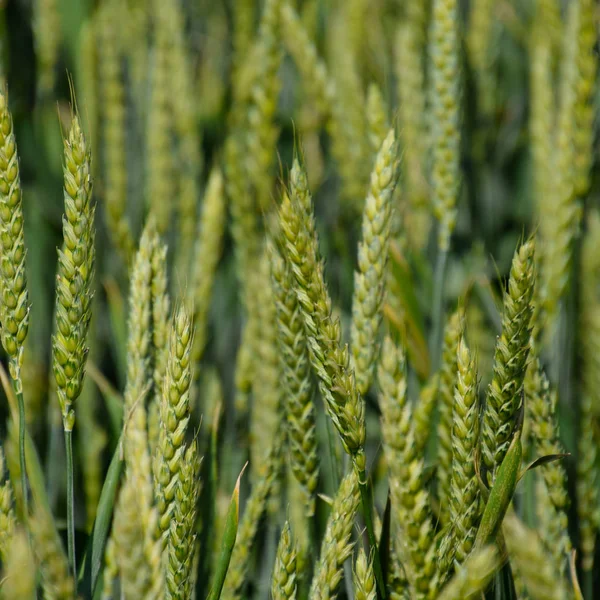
x=14 y=308
x=364 y=580
x=56 y=580
x=304 y=52
x=503 y=397
x=181 y=544
x=7 y=515
x=588 y=474
x=261 y=133
x=328 y=356
x=533 y=563
x=410 y=499
x=160 y=123
x=298 y=407
x=423 y=413
x=160 y=329
x=445 y=92
x=463 y=516
x=554 y=503
x=248 y=527
x=284 y=585
x=137 y=455
x=481 y=40
x=409 y=49
x=337 y=543
x=473 y=577
x=75 y=274
x=113 y=128
x=185 y=124
x=129 y=544
x=378 y=123
x=18 y=575
x=265 y=418
x=585 y=115
x=370 y=278
x=562 y=223
x=448 y=376
x=174 y=416
x=47 y=37
x=206 y=257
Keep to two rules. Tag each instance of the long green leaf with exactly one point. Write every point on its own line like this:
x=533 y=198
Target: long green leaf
x=229 y=536
x=92 y=562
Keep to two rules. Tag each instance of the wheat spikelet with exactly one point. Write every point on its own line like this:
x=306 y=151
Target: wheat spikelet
x=503 y=397
x=377 y=118
x=283 y=583
x=337 y=544
x=75 y=274
x=364 y=579
x=369 y=279
x=299 y=409
x=423 y=413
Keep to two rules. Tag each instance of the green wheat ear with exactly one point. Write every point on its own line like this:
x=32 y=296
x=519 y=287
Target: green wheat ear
x=284 y=585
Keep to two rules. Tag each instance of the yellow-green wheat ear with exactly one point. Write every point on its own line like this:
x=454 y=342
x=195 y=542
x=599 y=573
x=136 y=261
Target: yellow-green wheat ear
x=75 y=274
x=47 y=35
x=7 y=514
x=174 y=415
x=337 y=543
x=364 y=579
x=284 y=585
x=14 y=307
x=19 y=570
x=299 y=408
x=464 y=485
x=370 y=278
x=448 y=374
x=113 y=129
x=503 y=398
x=444 y=56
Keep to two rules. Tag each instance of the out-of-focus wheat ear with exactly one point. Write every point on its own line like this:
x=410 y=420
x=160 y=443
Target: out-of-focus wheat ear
x=174 y=416
x=409 y=50
x=398 y=586
x=473 y=577
x=328 y=356
x=248 y=527
x=503 y=398
x=448 y=376
x=370 y=278
x=261 y=131
x=47 y=38
x=113 y=128
x=561 y=226
x=159 y=151
x=337 y=543
x=423 y=413
x=181 y=545
x=284 y=585
x=54 y=568
x=552 y=498
x=364 y=580
x=464 y=497
x=411 y=503
x=8 y=520
x=110 y=573
x=445 y=99
x=207 y=253
x=378 y=123
x=533 y=563
x=243 y=32
x=18 y=574
x=298 y=406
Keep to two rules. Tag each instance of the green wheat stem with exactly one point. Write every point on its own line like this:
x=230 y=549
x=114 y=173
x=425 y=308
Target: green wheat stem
x=70 y=503
x=366 y=497
x=438 y=307
x=21 y=402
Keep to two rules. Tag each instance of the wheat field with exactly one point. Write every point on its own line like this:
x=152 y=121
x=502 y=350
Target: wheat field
x=299 y=299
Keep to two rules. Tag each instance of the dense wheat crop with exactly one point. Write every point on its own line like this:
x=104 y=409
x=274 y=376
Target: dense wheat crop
x=299 y=299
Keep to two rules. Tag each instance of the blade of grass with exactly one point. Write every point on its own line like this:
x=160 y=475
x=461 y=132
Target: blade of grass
x=229 y=536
